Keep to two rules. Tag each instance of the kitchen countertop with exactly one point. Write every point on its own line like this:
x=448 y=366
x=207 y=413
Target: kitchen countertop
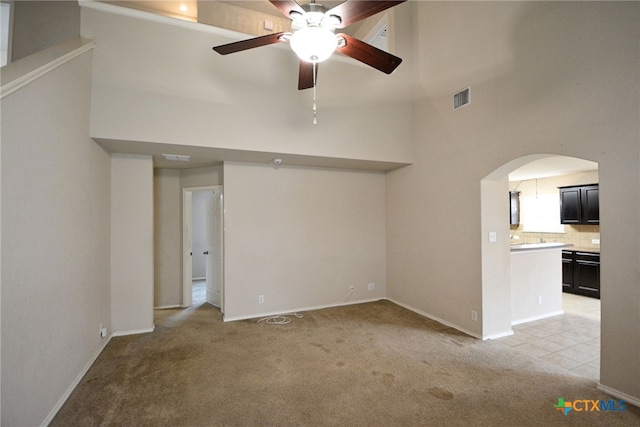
x=584 y=249
x=517 y=247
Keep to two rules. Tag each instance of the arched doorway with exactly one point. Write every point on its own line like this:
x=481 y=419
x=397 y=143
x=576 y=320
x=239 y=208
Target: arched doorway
x=538 y=178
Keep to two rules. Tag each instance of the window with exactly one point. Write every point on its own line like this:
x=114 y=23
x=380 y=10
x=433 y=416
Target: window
x=5 y=28
x=541 y=213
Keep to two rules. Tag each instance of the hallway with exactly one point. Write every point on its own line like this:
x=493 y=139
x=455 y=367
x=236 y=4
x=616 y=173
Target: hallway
x=199 y=292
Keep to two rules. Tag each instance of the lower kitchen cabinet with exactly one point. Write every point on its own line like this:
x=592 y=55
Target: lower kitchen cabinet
x=581 y=273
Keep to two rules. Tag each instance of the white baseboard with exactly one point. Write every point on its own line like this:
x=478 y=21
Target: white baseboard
x=498 y=335
x=133 y=332
x=84 y=371
x=75 y=383
x=437 y=319
x=620 y=395
x=165 y=307
x=296 y=310
x=539 y=317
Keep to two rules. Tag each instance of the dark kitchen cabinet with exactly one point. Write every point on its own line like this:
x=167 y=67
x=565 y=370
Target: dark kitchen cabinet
x=567 y=271
x=579 y=204
x=581 y=273
x=514 y=204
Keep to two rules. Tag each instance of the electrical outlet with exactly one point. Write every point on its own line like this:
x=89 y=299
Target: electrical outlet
x=103 y=331
x=474 y=315
x=260 y=299
x=539 y=299
x=351 y=288
x=372 y=286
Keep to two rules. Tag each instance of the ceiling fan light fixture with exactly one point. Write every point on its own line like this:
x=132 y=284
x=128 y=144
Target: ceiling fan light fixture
x=314 y=44
x=333 y=20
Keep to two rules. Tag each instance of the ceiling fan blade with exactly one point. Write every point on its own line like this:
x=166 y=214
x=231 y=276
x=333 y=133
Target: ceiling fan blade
x=226 y=49
x=305 y=77
x=286 y=6
x=370 y=55
x=352 y=11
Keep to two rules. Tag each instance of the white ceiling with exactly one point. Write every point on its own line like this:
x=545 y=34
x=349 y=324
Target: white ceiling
x=552 y=166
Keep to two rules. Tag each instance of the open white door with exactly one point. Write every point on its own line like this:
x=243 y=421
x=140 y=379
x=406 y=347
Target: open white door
x=214 y=251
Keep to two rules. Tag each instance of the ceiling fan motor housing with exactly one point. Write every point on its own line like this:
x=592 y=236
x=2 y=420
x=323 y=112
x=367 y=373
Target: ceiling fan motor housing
x=313 y=38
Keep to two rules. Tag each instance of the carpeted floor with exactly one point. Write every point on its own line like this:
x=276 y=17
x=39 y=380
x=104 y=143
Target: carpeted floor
x=374 y=364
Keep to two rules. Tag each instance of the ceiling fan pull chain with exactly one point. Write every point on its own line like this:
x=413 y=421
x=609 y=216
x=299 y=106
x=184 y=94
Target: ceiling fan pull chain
x=315 y=108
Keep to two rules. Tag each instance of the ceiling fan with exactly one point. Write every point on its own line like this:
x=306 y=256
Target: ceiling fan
x=313 y=37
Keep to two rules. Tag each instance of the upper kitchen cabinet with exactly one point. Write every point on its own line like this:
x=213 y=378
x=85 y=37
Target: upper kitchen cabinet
x=514 y=204
x=579 y=204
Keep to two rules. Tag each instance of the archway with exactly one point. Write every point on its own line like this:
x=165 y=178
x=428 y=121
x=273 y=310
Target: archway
x=495 y=254
x=497 y=298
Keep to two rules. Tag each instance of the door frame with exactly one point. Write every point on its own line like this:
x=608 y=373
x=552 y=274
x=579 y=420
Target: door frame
x=187 y=227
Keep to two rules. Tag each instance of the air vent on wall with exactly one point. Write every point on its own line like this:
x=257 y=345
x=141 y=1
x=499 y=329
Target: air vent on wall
x=461 y=98
x=379 y=37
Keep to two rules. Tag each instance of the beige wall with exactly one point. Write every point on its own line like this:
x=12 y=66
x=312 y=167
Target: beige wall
x=55 y=242
x=167 y=211
x=240 y=19
x=301 y=237
x=41 y=24
x=131 y=244
x=201 y=177
x=552 y=78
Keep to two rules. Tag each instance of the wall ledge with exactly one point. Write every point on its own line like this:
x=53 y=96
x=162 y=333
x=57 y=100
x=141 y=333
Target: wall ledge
x=182 y=22
x=18 y=74
x=161 y=19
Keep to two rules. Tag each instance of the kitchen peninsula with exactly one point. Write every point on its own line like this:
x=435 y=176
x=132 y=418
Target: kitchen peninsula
x=536 y=281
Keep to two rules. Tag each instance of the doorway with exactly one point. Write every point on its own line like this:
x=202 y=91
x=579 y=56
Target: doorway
x=203 y=244
x=570 y=340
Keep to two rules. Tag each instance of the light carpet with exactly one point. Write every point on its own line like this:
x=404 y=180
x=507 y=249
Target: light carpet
x=373 y=364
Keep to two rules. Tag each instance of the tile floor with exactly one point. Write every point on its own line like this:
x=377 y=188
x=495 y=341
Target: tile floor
x=198 y=292
x=571 y=340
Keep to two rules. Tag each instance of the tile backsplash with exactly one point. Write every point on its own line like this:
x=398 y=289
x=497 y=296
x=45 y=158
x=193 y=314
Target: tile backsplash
x=578 y=235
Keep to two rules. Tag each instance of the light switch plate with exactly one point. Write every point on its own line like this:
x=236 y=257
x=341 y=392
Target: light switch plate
x=493 y=237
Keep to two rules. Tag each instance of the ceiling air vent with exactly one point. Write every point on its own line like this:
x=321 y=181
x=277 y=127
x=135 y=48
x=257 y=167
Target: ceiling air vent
x=461 y=98
x=176 y=157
